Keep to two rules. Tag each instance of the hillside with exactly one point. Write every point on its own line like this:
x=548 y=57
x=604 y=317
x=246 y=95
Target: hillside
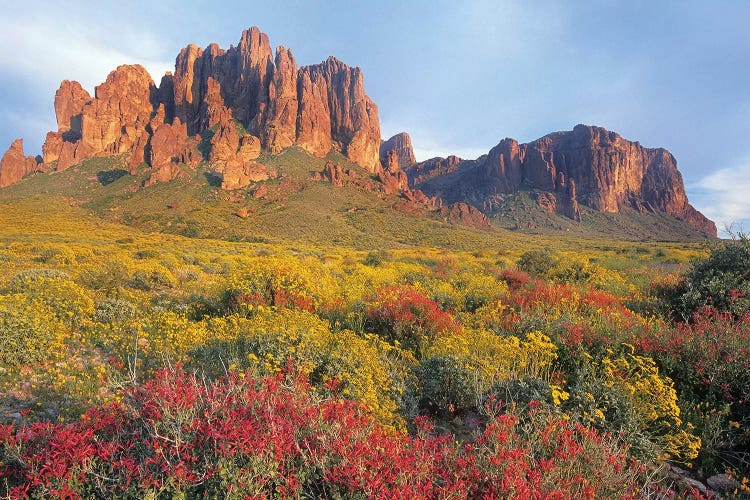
x=109 y=320
x=240 y=120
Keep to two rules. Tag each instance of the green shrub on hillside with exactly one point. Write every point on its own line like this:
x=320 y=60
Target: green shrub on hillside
x=539 y=261
x=721 y=281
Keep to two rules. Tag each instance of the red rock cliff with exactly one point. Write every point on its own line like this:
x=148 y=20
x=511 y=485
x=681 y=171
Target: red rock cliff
x=14 y=166
x=319 y=107
x=588 y=165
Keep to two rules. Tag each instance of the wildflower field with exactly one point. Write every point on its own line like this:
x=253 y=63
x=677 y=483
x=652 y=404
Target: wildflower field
x=148 y=365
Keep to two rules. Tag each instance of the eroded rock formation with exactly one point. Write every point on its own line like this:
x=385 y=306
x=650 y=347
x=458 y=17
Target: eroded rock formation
x=317 y=107
x=14 y=165
x=400 y=144
x=588 y=165
x=250 y=98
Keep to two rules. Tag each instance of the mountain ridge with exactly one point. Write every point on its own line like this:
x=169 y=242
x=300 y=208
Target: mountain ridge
x=589 y=165
x=228 y=106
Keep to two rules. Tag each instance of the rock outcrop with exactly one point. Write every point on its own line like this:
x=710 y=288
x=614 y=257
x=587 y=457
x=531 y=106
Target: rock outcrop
x=113 y=122
x=464 y=215
x=253 y=99
x=14 y=165
x=588 y=165
x=69 y=101
x=334 y=111
x=167 y=143
x=281 y=122
x=317 y=107
x=400 y=144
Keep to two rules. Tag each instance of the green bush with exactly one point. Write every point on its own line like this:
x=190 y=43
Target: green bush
x=539 y=261
x=61 y=255
x=154 y=277
x=107 y=277
x=721 y=281
x=114 y=311
x=28 y=331
x=445 y=386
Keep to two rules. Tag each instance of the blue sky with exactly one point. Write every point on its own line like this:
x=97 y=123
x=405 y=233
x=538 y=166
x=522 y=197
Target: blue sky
x=458 y=76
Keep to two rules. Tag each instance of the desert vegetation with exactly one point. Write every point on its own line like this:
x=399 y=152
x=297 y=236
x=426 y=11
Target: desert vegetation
x=145 y=365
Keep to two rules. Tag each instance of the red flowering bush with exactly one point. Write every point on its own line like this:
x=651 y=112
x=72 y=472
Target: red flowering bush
x=407 y=315
x=709 y=361
x=273 y=438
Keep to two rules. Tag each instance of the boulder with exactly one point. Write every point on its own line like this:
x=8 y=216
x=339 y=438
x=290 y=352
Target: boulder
x=14 y=166
x=165 y=173
x=237 y=175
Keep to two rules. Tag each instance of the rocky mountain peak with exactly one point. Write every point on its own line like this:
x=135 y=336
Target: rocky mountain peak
x=400 y=145
x=318 y=107
x=588 y=165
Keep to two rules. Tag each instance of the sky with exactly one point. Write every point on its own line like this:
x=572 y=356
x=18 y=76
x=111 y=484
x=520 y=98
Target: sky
x=458 y=76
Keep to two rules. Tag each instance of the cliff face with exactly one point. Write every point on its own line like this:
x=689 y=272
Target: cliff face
x=274 y=103
x=317 y=107
x=14 y=166
x=588 y=165
x=400 y=146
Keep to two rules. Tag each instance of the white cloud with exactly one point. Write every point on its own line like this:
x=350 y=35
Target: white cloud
x=47 y=49
x=724 y=196
x=45 y=45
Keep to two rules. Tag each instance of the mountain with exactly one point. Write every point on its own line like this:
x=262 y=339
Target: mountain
x=234 y=109
x=244 y=97
x=587 y=166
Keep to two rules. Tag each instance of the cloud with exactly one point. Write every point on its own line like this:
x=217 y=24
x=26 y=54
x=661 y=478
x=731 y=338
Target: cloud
x=723 y=197
x=50 y=44
x=46 y=51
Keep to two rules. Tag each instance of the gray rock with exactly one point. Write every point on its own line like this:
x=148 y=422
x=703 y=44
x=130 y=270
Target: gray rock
x=722 y=483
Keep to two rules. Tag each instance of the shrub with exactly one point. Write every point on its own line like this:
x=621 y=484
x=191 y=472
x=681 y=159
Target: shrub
x=17 y=283
x=539 y=261
x=367 y=368
x=151 y=277
x=721 y=281
x=709 y=360
x=274 y=282
x=28 y=331
x=178 y=436
x=114 y=312
x=624 y=394
x=65 y=299
x=373 y=259
x=146 y=254
x=408 y=316
x=446 y=385
x=106 y=277
x=61 y=255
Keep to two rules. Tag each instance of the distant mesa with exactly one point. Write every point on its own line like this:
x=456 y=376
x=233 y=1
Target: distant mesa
x=228 y=107
x=587 y=166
